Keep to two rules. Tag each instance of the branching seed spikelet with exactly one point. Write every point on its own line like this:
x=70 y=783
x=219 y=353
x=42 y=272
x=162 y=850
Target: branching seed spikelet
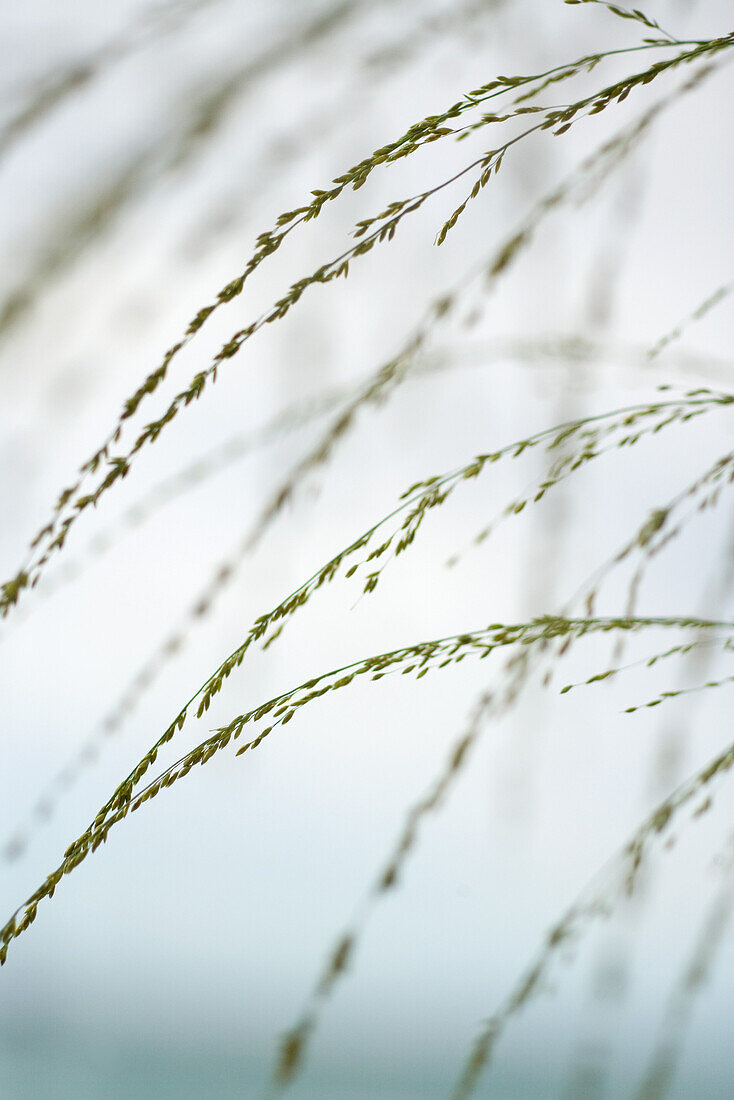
x=111 y=468
x=519 y=110
x=420 y=658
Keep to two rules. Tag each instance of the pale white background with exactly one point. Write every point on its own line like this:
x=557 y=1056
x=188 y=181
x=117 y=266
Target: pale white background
x=172 y=960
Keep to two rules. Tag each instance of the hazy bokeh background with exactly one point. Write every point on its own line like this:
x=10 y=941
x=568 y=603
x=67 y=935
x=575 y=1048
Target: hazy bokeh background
x=171 y=961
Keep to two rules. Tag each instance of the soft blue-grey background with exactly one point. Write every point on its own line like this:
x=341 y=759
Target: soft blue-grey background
x=169 y=963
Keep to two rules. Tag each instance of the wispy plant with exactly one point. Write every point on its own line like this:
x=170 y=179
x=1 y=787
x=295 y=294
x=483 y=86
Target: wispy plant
x=370 y=231
x=519 y=652
x=618 y=879
x=698 y=314
x=691 y=983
